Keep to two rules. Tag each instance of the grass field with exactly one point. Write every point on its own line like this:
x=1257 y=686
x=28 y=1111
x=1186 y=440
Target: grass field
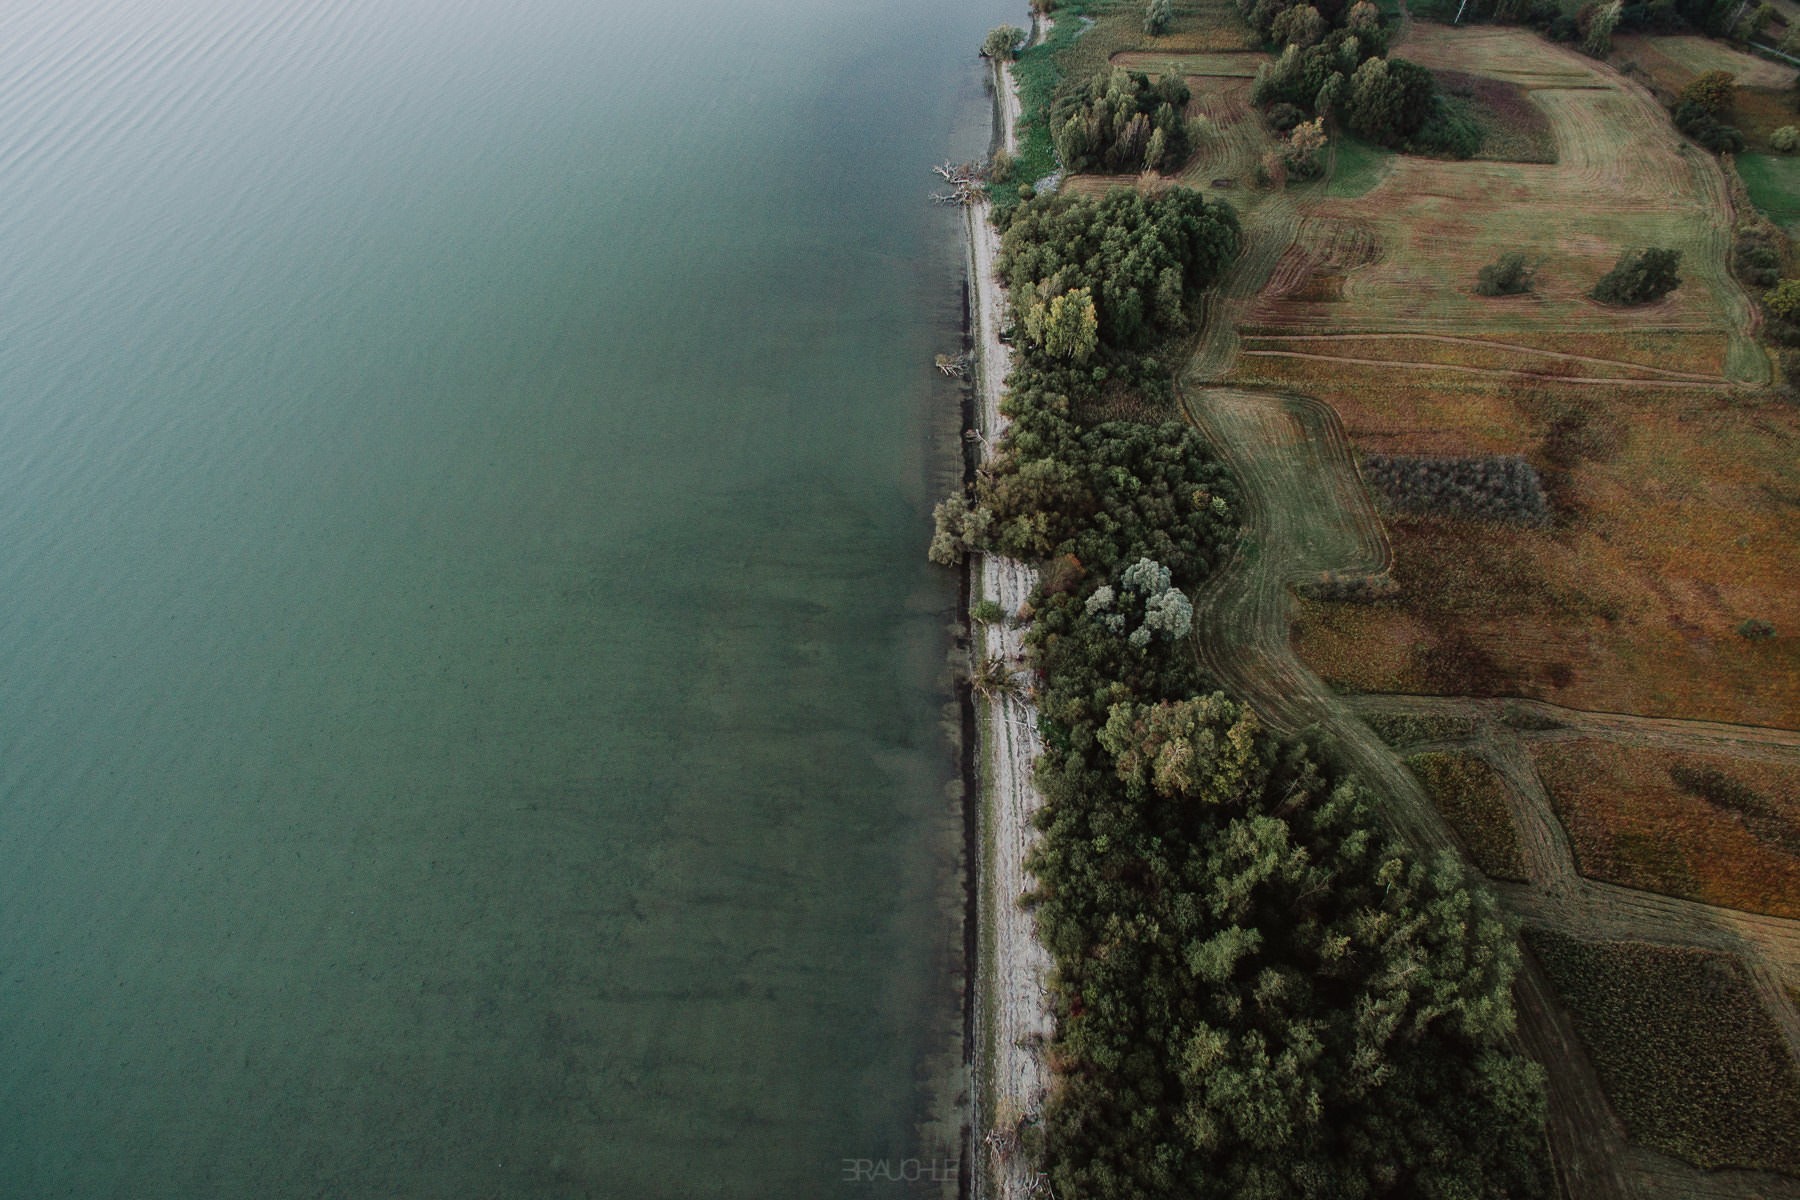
x=1674 y=60
x=1686 y=1052
x=1472 y=798
x=1638 y=817
x=1356 y=168
x=1773 y=181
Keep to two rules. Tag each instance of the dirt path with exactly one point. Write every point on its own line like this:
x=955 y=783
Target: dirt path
x=1485 y=343
x=1013 y=1019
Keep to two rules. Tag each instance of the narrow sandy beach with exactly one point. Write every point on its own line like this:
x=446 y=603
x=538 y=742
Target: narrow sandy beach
x=1012 y=1003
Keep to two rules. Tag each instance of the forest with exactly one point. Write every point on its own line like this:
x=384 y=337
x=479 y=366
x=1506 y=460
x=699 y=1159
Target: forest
x=1257 y=993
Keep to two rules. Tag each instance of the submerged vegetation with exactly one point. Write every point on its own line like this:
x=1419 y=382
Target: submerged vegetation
x=1257 y=991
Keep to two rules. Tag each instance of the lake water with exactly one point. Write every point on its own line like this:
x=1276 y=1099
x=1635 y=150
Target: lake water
x=472 y=701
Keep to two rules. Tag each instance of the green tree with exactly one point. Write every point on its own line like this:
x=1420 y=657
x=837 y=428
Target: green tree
x=1158 y=16
x=1639 y=277
x=1067 y=326
x=1713 y=91
x=1509 y=275
x=1390 y=99
x=1597 y=22
x=1003 y=43
x=1784 y=300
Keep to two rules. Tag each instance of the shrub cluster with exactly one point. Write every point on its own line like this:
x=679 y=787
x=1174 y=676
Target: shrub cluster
x=1688 y=1056
x=1705 y=128
x=1121 y=121
x=1755 y=258
x=1497 y=488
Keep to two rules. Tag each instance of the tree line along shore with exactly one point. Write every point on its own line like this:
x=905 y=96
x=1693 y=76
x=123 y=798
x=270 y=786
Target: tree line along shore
x=1260 y=986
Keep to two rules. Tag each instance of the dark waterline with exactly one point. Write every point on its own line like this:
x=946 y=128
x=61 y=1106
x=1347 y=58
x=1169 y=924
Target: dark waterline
x=472 y=706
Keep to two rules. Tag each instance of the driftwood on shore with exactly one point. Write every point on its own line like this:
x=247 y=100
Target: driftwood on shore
x=966 y=180
x=955 y=365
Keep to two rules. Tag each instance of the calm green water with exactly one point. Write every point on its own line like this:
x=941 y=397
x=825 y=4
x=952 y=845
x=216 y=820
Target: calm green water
x=471 y=699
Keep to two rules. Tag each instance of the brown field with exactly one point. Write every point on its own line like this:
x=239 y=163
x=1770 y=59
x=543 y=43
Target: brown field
x=1677 y=491
x=1472 y=798
x=1632 y=824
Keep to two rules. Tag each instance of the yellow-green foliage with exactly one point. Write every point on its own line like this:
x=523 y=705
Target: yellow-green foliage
x=1784 y=299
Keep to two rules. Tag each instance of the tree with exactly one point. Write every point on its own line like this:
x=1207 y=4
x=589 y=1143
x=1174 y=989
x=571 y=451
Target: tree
x=1390 y=100
x=1158 y=16
x=1509 y=275
x=1784 y=300
x=1302 y=152
x=1639 y=277
x=1066 y=326
x=1003 y=43
x=1299 y=26
x=1597 y=22
x=1712 y=91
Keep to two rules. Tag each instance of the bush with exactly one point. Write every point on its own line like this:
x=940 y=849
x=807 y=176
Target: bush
x=1639 y=277
x=1706 y=129
x=1786 y=139
x=1501 y=488
x=1509 y=275
x=1284 y=116
x=1755 y=629
x=1754 y=258
x=1450 y=131
x=988 y=612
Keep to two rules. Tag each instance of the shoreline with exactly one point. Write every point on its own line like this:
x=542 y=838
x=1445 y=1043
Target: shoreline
x=1009 y=1022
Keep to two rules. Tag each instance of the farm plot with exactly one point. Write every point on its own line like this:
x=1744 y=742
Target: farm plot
x=1674 y=533
x=1673 y=61
x=1676 y=503
x=1472 y=798
x=1687 y=1054
x=1720 y=830
x=1202 y=25
x=1623 y=178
